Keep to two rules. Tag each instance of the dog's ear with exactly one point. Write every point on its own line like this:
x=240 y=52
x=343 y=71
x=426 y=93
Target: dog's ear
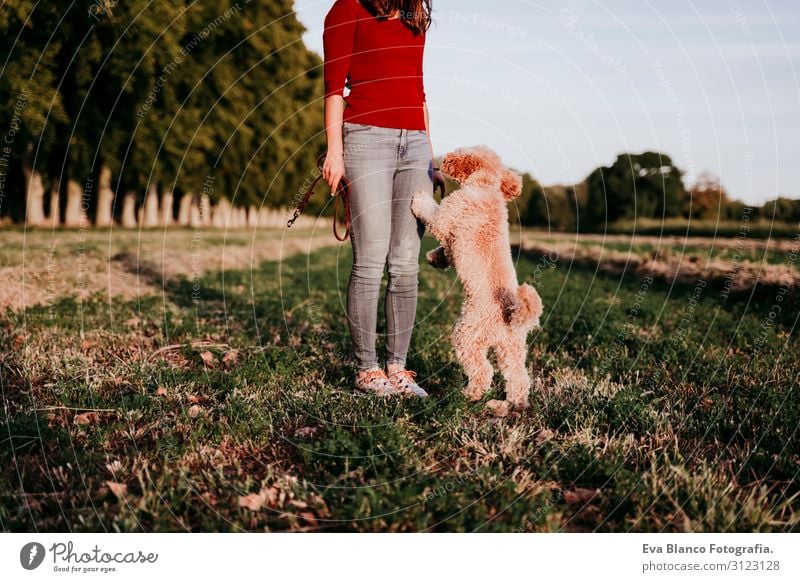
x=510 y=184
x=461 y=163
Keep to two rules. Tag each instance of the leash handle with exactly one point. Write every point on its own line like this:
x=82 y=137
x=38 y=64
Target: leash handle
x=343 y=194
x=342 y=191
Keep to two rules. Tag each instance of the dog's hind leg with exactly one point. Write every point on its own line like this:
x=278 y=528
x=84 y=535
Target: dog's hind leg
x=511 y=360
x=471 y=350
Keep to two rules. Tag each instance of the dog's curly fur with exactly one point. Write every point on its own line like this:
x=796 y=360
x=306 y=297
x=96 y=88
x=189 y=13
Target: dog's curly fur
x=472 y=226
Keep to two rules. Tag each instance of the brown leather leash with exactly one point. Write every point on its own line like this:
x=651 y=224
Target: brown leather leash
x=342 y=193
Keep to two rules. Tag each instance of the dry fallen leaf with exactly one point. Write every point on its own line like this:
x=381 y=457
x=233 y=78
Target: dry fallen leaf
x=208 y=358
x=195 y=410
x=544 y=435
x=118 y=489
x=230 y=357
x=86 y=418
x=255 y=501
x=580 y=496
x=161 y=391
x=271 y=495
x=305 y=432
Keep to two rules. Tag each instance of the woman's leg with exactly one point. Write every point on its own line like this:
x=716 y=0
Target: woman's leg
x=414 y=174
x=369 y=167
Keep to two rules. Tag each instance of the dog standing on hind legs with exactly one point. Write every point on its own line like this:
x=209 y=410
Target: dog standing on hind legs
x=472 y=226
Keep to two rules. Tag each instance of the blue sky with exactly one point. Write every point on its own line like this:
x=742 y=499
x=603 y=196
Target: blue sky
x=558 y=88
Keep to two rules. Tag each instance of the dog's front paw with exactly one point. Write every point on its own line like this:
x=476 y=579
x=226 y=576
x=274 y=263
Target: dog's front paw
x=518 y=404
x=437 y=258
x=499 y=408
x=473 y=393
x=423 y=206
x=417 y=202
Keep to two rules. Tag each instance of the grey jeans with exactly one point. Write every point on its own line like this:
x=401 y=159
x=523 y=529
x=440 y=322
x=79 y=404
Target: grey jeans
x=385 y=167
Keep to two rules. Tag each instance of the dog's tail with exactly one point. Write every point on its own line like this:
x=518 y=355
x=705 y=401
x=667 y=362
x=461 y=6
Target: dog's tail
x=520 y=309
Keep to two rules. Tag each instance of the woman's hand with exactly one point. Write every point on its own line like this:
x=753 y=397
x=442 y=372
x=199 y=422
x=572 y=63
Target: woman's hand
x=439 y=183
x=333 y=170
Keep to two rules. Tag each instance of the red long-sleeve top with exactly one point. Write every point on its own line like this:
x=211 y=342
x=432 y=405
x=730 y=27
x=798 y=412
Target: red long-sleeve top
x=382 y=60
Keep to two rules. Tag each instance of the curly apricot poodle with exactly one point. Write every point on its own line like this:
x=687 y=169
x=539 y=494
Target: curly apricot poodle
x=472 y=226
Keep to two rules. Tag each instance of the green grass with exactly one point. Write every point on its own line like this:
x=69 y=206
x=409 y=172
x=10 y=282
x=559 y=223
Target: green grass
x=685 y=252
x=755 y=228
x=647 y=415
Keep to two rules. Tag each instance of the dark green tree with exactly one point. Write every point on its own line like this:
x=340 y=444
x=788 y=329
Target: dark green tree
x=781 y=209
x=646 y=185
x=553 y=207
x=158 y=94
x=252 y=95
x=31 y=108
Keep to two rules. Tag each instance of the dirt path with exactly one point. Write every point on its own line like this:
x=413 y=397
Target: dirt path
x=668 y=263
x=676 y=242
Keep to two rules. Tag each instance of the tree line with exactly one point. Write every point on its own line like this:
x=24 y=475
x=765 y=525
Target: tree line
x=146 y=113
x=646 y=186
x=120 y=110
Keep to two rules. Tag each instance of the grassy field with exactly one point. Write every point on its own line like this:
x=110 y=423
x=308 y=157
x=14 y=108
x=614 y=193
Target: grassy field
x=756 y=228
x=221 y=401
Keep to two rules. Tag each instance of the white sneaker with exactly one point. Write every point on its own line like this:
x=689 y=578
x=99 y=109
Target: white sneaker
x=375 y=381
x=403 y=381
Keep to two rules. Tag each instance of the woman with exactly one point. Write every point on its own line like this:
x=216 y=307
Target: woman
x=380 y=142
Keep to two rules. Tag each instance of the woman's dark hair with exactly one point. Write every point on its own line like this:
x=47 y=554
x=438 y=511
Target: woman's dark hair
x=415 y=14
